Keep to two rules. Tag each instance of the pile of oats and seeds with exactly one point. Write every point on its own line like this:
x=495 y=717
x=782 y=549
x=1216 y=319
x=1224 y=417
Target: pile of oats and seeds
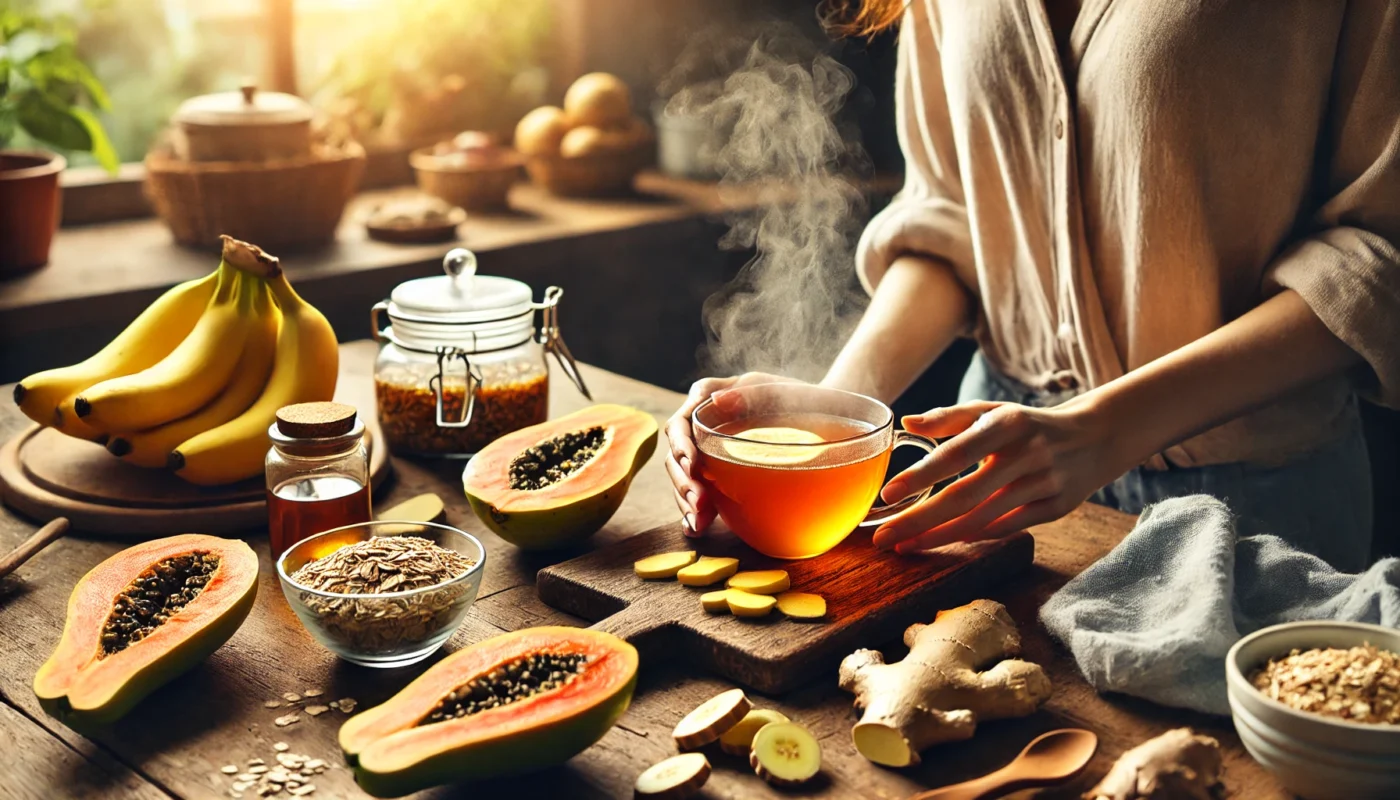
x=1358 y=684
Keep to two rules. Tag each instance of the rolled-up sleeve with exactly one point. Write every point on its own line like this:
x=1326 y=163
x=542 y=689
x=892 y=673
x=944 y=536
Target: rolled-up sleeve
x=929 y=215
x=1347 y=265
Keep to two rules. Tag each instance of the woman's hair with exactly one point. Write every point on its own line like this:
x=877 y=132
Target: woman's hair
x=861 y=17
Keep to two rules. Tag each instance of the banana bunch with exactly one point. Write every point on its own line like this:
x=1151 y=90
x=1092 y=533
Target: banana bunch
x=193 y=384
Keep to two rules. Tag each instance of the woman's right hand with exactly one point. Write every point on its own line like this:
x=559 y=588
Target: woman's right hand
x=692 y=494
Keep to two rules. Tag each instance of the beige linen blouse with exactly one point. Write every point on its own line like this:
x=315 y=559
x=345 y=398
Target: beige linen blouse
x=1185 y=162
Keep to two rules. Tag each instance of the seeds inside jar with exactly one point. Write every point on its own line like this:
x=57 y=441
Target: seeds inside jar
x=154 y=597
x=508 y=683
x=509 y=398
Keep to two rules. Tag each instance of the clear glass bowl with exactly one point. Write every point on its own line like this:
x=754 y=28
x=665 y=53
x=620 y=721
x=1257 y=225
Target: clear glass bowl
x=391 y=629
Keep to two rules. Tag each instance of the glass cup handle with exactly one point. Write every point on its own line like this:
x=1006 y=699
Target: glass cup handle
x=879 y=514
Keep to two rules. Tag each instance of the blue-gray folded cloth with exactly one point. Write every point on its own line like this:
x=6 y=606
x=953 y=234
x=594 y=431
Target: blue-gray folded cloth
x=1155 y=617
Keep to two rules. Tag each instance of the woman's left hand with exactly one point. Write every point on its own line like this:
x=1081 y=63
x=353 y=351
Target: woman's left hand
x=1034 y=465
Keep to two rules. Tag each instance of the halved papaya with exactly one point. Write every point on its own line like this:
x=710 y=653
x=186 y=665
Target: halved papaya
x=142 y=617
x=513 y=703
x=558 y=482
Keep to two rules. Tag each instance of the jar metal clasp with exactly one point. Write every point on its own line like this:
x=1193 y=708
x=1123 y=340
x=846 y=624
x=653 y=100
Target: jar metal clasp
x=552 y=339
x=445 y=355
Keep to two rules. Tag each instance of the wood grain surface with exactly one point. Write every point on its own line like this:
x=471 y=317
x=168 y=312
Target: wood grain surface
x=175 y=741
x=45 y=474
x=871 y=596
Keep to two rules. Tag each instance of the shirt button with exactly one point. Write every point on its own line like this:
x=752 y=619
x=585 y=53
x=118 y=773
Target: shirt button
x=1059 y=129
x=1065 y=332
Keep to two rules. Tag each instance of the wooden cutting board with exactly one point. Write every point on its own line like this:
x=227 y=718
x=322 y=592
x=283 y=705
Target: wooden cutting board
x=871 y=595
x=44 y=474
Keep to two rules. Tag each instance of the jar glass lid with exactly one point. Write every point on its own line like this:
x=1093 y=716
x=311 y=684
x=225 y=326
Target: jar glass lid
x=461 y=297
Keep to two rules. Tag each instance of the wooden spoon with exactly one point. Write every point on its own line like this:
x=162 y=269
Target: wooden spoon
x=1050 y=758
x=42 y=538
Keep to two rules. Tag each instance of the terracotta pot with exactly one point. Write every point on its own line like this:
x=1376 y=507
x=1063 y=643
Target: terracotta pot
x=29 y=208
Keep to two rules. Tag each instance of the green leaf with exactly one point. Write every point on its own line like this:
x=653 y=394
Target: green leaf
x=49 y=122
x=102 y=149
x=80 y=73
x=7 y=124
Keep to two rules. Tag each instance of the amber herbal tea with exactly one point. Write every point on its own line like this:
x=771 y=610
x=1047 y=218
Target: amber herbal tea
x=786 y=487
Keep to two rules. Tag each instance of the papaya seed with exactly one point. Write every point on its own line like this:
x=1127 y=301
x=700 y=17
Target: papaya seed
x=153 y=597
x=555 y=459
x=508 y=683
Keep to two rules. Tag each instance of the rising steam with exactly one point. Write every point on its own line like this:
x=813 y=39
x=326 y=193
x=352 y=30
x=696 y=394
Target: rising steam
x=793 y=305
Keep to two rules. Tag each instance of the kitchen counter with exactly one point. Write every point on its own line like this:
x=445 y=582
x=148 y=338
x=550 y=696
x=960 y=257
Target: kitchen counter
x=174 y=743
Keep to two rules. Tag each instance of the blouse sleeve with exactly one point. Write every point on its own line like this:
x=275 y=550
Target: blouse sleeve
x=1346 y=266
x=929 y=215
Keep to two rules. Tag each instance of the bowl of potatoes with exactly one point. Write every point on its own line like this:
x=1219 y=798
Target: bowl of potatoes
x=592 y=146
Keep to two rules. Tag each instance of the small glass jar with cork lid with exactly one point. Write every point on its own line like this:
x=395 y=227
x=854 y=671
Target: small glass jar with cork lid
x=317 y=472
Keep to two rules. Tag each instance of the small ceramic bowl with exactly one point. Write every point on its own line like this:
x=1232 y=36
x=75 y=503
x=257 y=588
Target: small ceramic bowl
x=390 y=629
x=1315 y=757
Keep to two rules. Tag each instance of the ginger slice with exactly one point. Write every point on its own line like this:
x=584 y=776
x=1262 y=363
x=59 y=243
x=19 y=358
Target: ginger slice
x=785 y=754
x=676 y=778
x=663 y=565
x=801 y=605
x=708 y=570
x=738 y=740
x=715 y=602
x=763 y=581
x=747 y=604
x=710 y=719
x=960 y=670
x=1179 y=763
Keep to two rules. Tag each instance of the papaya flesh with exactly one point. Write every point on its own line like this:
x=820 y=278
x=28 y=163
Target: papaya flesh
x=511 y=704
x=142 y=617
x=559 y=482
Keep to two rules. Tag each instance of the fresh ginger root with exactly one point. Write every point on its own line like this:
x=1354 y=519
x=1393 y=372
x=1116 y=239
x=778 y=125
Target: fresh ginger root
x=1178 y=765
x=940 y=691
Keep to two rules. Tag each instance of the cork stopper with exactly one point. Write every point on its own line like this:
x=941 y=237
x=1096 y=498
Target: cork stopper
x=315 y=420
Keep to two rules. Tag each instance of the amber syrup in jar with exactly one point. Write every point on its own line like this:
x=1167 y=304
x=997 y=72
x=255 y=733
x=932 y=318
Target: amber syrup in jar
x=317 y=473
x=303 y=507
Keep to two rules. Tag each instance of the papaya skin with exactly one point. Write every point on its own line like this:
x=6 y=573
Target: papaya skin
x=393 y=756
x=576 y=507
x=66 y=686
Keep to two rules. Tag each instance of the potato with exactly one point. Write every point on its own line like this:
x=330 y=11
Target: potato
x=598 y=99
x=540 y=132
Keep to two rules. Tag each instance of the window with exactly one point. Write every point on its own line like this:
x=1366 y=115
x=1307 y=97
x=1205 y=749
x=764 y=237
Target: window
x=402 y=68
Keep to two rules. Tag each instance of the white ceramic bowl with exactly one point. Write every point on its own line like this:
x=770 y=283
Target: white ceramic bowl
x=1315 y=757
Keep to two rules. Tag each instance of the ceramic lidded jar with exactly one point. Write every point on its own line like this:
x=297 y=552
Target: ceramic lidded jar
x=247 y=125
x=462 y=361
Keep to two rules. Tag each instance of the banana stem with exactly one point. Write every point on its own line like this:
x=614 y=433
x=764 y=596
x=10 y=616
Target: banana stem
x=250 y=258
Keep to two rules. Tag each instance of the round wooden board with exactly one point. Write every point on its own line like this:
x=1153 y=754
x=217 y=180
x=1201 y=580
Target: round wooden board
x=44 y=474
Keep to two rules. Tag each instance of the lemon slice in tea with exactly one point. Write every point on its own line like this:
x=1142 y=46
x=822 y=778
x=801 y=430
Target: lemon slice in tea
x=766 y=446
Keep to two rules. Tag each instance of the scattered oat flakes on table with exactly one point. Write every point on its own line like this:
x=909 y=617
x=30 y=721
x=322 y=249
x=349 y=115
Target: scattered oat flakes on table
x=316 y=711
x=285 y=720
x=281 y=747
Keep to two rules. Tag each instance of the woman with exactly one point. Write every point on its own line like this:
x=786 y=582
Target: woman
x=1171 y=228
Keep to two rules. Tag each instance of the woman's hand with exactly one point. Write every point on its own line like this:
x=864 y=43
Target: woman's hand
x=692 y=495
x=1033 y=466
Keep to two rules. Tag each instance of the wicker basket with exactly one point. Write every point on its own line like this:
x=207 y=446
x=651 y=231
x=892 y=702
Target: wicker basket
x=591 y=176
x=471 y=188
x=280 y=205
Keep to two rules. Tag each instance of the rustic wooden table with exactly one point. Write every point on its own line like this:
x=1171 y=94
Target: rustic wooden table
x=175 y=742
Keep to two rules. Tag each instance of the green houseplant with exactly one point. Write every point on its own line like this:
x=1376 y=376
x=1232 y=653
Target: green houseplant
x=47 y=93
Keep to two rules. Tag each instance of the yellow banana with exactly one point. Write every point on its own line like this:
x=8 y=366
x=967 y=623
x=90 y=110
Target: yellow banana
x=305 y=371
x=151 y=448
x=187 y=379
x=47 y=397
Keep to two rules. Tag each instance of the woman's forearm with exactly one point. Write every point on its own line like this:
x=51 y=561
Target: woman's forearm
x=1275 y=348
x=917 y=310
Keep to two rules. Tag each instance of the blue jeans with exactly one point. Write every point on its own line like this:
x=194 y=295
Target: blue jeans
x=1320 y=502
